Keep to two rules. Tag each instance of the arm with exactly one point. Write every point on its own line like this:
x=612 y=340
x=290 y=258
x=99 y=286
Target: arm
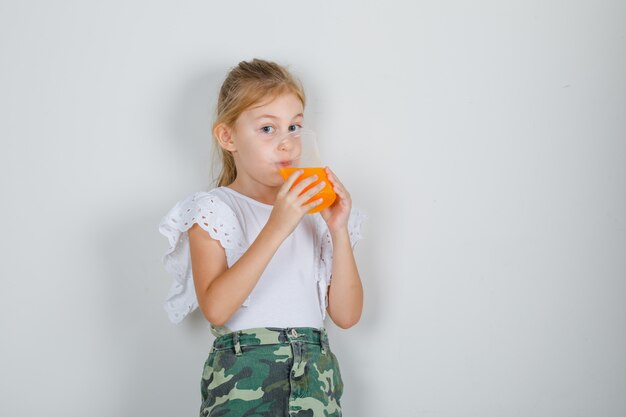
x=345 y=294
x=221 y=290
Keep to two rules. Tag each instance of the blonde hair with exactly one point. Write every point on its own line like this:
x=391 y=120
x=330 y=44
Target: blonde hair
x=247 y=84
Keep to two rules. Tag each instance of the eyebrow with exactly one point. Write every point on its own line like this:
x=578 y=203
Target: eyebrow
x=269 y=116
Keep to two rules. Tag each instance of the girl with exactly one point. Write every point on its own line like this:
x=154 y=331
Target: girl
x=258 y=267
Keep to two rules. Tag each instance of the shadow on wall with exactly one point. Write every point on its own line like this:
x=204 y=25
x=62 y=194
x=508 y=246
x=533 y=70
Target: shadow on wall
x=192 y=115
x=142 y=339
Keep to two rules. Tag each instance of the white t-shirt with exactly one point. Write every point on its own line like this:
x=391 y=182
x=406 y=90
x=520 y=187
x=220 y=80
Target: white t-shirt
x=292 y=290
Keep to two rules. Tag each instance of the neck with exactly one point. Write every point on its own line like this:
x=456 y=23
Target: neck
x=255 y=190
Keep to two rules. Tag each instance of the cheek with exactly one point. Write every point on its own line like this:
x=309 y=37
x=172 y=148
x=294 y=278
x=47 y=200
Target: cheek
x=264 y=156
x=257 y=156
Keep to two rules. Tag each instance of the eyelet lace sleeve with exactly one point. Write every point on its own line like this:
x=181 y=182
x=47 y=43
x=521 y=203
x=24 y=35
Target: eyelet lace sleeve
x=216 y=218
x=355 y=221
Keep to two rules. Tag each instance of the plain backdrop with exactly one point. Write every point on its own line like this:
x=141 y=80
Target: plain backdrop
x=486 y=140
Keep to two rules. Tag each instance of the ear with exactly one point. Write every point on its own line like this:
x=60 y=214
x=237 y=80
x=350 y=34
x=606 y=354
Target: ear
x=224 y=137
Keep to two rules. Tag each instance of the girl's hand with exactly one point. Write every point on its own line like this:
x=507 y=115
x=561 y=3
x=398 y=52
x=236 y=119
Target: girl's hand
x=336 y=216
x=288 y=208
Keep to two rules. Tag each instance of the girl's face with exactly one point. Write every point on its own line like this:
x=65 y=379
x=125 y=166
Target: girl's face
x=261 y=138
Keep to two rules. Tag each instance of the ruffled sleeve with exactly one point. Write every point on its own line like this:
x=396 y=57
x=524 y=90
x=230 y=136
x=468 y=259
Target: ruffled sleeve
x=355 y=221
x=216 y=218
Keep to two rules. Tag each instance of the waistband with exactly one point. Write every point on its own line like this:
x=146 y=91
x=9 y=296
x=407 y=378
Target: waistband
x=271 y=336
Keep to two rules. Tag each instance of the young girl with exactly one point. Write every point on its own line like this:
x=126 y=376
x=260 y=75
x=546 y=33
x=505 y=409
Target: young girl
x=264 y=272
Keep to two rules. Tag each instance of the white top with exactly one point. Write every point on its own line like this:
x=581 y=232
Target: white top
x=291 y=292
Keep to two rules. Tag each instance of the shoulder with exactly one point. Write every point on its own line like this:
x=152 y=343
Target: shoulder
x=210 y=211
x=204 y=198
x=212 y=202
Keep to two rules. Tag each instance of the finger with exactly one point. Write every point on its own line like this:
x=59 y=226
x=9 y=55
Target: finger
x=330 y=172
x=299 y=187
x=339 y=192
x=340 y=189
x=310 y=193
x=343 y=194
x=344 y=198
x=291 y=180
x=332 y=177
x=338 y=186
x=312 y=204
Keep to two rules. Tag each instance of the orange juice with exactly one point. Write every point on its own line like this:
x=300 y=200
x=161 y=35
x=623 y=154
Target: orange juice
x=326 y=193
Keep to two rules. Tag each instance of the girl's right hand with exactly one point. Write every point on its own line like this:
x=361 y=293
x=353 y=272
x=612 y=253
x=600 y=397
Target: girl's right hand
x=288 y=208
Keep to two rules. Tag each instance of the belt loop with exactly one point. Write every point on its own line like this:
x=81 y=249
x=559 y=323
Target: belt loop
x=219 y=330
x=236 y=343
x=324 y=341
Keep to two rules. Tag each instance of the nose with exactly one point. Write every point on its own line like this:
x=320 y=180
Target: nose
x=285 y=143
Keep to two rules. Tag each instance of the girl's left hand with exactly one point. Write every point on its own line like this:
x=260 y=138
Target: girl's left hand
x=336 y=216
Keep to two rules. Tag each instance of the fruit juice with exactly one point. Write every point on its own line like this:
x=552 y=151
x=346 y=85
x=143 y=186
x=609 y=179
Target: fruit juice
x=326 y=193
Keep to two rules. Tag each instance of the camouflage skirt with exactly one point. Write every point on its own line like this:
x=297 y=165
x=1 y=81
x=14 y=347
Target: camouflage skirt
x=271 y=372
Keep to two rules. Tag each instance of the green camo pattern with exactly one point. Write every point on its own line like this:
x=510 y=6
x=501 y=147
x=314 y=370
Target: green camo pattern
x=274 y=375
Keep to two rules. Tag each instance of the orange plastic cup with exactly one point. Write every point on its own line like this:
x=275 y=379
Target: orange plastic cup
x=327 y=193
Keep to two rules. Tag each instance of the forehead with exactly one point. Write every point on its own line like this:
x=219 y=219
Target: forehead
x=285 y=107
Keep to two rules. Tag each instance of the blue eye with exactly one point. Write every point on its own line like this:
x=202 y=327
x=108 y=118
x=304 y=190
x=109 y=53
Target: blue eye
x=294 y=128
x=267 y=129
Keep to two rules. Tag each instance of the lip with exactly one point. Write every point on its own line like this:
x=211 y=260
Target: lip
x=284 y=164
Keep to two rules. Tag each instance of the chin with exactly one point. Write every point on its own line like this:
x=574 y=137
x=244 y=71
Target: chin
x=272 y=181
x=275 y=180
x=278 y=183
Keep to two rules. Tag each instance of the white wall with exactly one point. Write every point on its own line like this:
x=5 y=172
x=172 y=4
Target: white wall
x=486 y=141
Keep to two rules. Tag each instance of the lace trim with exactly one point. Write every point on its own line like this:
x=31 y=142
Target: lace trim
x=216 y=218
x=355 y=221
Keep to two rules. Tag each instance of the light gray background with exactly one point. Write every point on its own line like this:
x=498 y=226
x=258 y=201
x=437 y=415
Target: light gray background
x=486 y=141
